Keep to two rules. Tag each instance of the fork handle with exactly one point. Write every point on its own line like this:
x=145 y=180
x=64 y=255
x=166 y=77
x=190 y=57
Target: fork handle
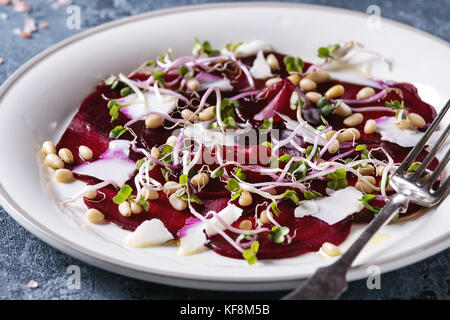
x=329 y=282
x=395 y=203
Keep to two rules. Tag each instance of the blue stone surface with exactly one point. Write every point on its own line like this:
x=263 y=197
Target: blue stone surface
x=23 y=257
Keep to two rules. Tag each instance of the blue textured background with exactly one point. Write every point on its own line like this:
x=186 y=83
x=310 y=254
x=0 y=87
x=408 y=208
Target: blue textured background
x=24 y=257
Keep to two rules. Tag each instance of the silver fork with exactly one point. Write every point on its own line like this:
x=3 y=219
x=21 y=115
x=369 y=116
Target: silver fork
x=330 y=282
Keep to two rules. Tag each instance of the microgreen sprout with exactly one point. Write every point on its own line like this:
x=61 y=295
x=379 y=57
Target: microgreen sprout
x=123 y=195
x=365 y=202
x=266 y=126
x=337 y=179
x=293 y=64
x=311 y=194
x=140 y=162
x=232 y=47
x=143 y=203
x=114 y=108
x=117 y=132
x=217 y=173
x=112 y=82
x=250 y=253
x=278 y=234
x=227 y=114
x=204 y=48
x=326 y=52
x=234 y=187
x=397 y=106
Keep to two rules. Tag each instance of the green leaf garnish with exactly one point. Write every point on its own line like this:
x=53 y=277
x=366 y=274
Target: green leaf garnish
x=204 y=48
x=232 y=47
x=337 y=179
x=227 y=114
x=292 y=195
x=309 y=150
x=140 y=162
x=123 y=194
x=293 y=64
x=241 y=175
x=250 y=253
x=183 y=179
x=126 y=91
x=278 y=234
x=143 y=203
x=266 y=126
x=311 y=194
x=159 y=76
x=285 y=158
x=326 y=52
x=365 y=201
x=397 y=106
x=112 y=82
x=267 y=144
x=191 y=197
x=183 y=70
x=233 y=185
x=275 y=208
x=217 y=173
x=117 y=132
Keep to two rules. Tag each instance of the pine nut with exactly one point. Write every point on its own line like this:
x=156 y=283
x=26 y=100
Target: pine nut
x=192 y=84
x=349 y=135
x=330 y=134
x=294 y=78
x=354 y=120
x=135 y=208
x=53 y=161
x=320 y=76
x=313 y=96
x=170 y=187
x=273 y=62
x=200 y=180
x=343 y=110
x=64 y=176
x=308 y=85
x=66 y=155
x=48 y=147
x=263 y=217
x=370 y=126
x=154 y=152
x=272 y=81
x=172 y=141
x=403 y=124
x=365 y=93
x=330 y=249
x=85 y=153
x=188 y=115
x=367 y=169
x=94 y=216
x=207 y=114
x=246 y=225
x=154 y=121
x=91 y=195
x=334 y=147
x=245 y=199
x=177 y=203
x=125 y=209
x=335 y=91
x=362 y=186
x=149 y=194
x=417 y=120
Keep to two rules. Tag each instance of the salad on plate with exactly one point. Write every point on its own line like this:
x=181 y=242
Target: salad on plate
x=246 y=151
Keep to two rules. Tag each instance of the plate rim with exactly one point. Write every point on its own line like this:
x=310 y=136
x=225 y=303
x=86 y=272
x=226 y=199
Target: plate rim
x=111 y=264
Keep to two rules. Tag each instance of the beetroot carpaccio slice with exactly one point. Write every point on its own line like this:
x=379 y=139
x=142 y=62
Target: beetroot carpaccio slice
x=162 y=123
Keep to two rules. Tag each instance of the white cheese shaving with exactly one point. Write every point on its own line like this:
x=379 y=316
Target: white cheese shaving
x=403 y=137
x=114 y=169
x=193 y=241
x=260 y=69
x=209 y=137
x=150 y=232
x=163 y=104
x=331 y=209
x=229 y=215
x=222 y=85
x=122 y=146
x=249 y=48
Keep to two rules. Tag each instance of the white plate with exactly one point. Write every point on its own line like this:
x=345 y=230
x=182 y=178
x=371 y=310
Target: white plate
x=38 y=101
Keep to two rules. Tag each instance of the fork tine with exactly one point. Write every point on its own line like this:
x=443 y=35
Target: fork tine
x=430 y=155
x=419 y=146
x=443 y=191
x=436 y=172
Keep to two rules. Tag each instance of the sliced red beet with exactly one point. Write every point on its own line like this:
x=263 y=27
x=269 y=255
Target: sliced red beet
x=278 y=98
